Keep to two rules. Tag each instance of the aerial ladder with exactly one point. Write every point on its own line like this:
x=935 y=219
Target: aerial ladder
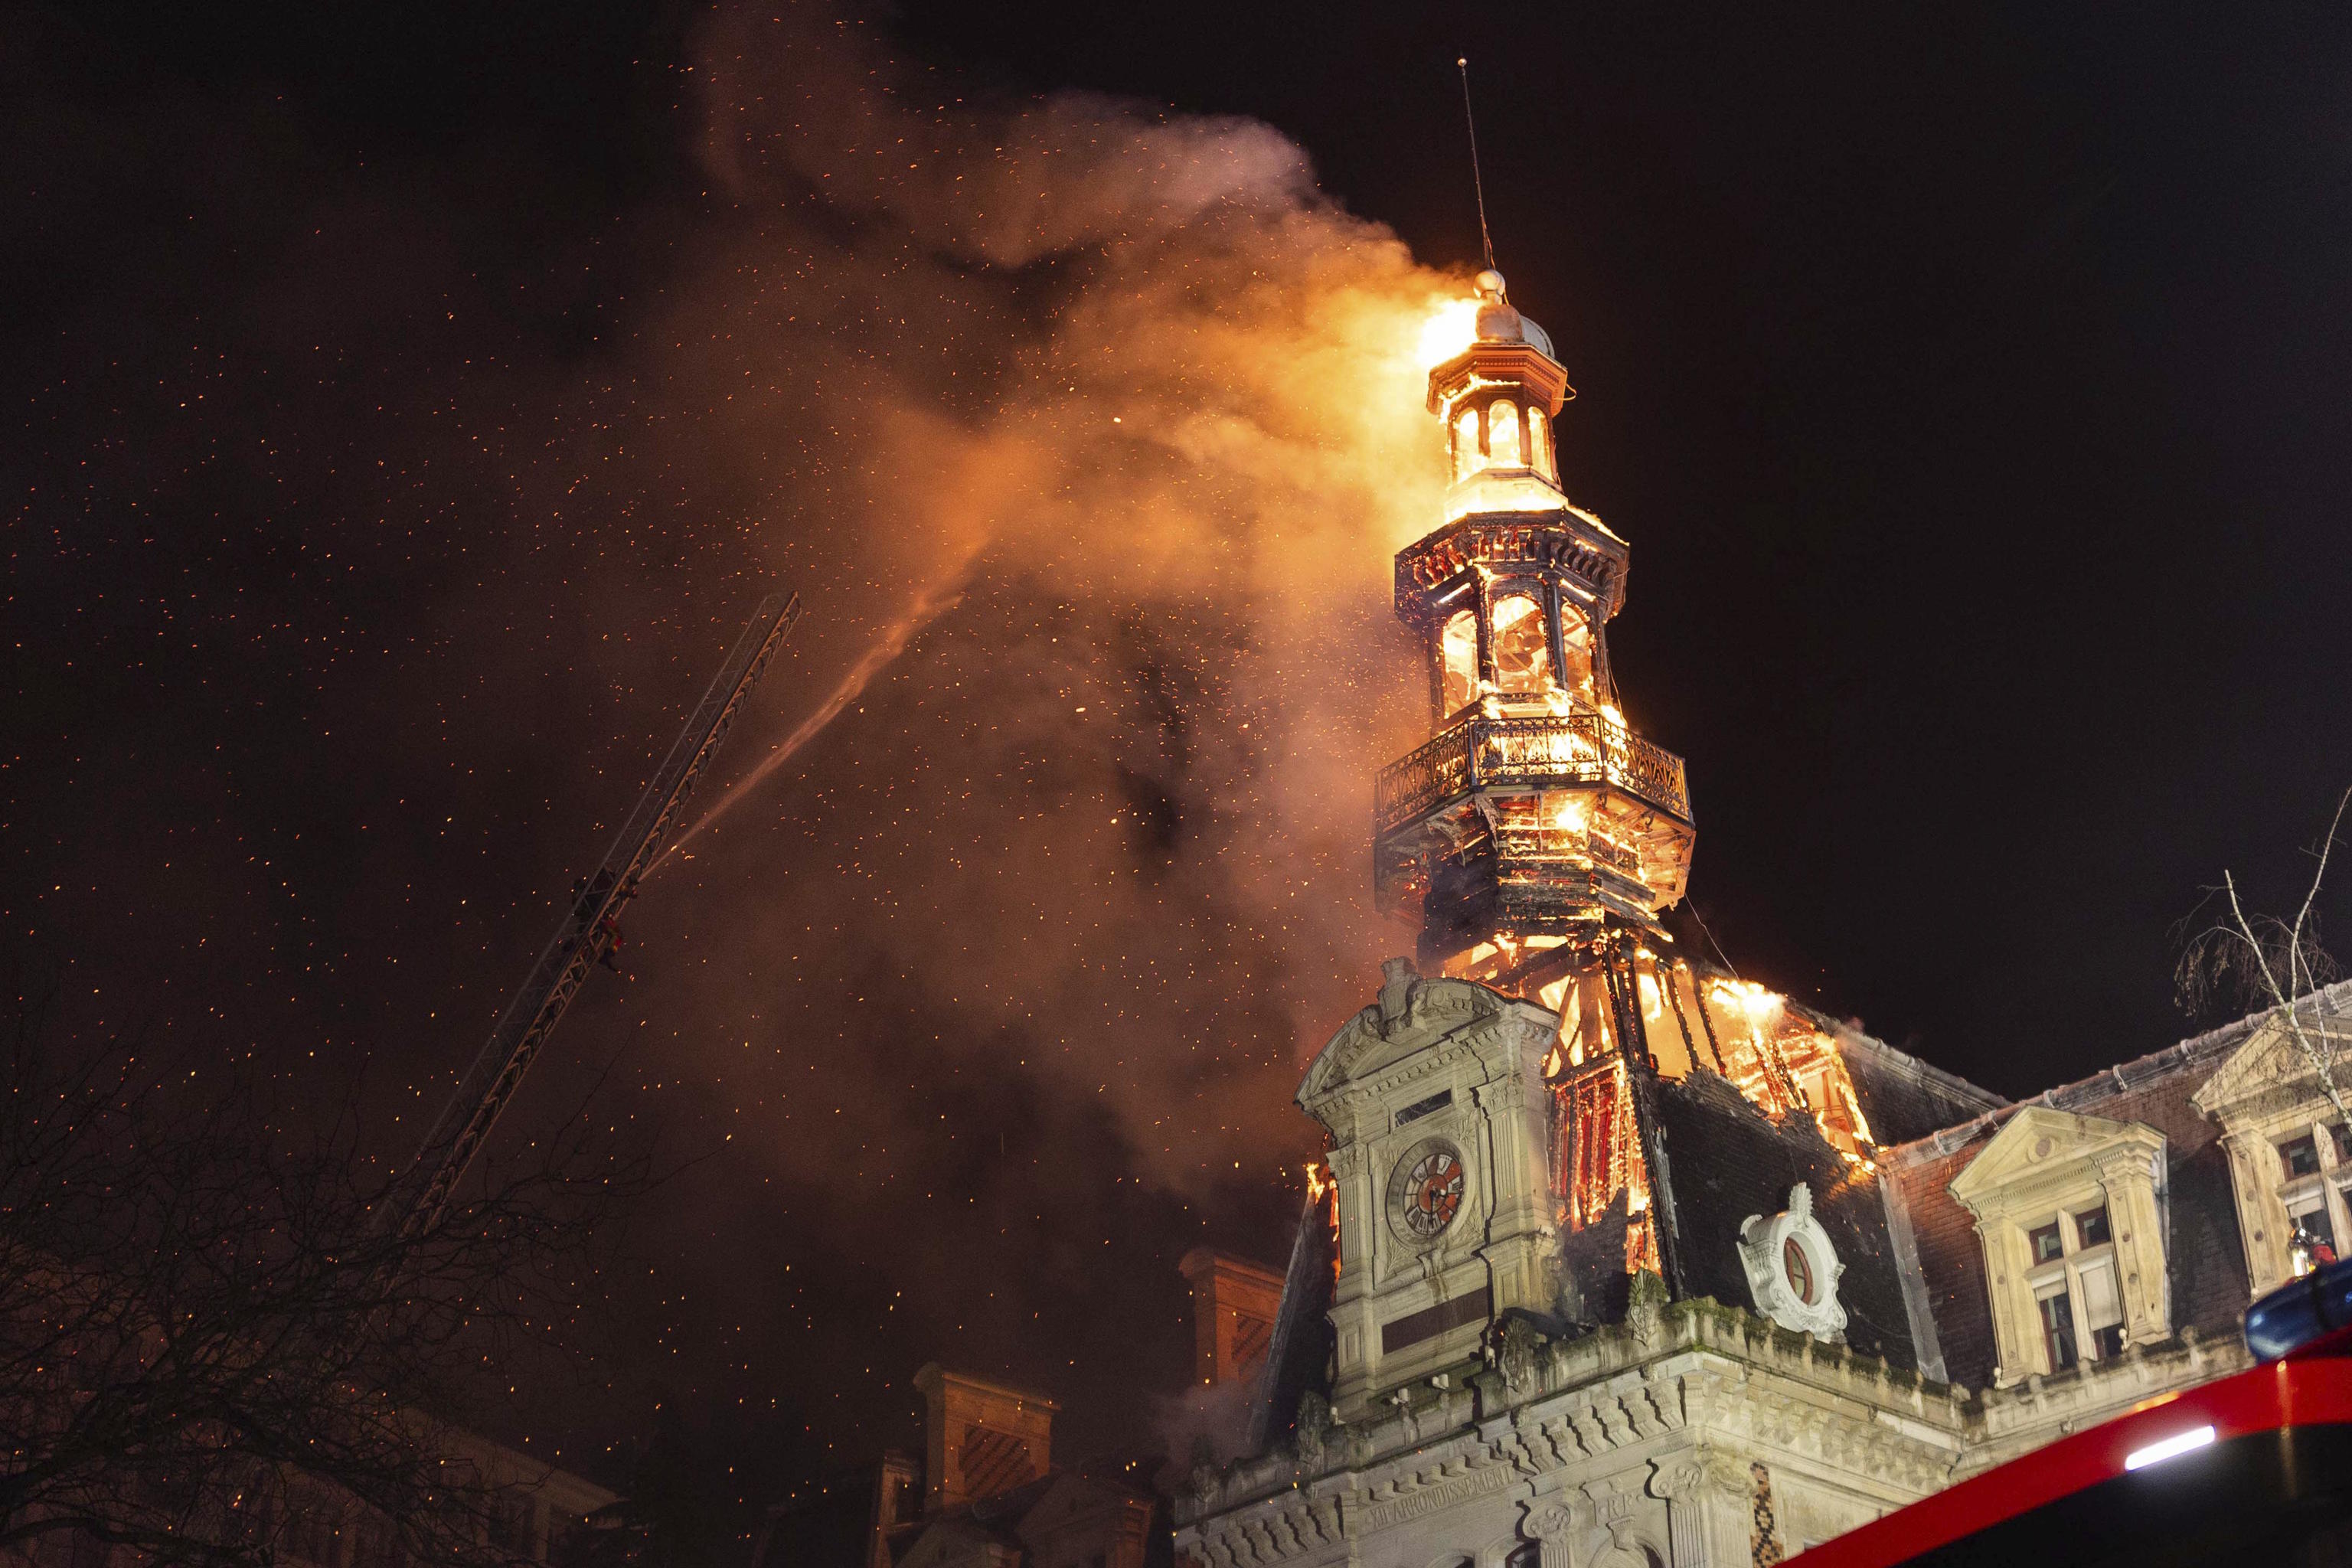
x=586 y=934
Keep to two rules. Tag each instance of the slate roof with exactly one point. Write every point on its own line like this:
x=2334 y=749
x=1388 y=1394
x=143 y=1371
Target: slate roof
x=1726 y=1161
x=2205 y=1257
x=1300 y=1350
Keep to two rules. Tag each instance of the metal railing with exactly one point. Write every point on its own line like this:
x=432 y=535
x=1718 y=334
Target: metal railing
x=1568 y=749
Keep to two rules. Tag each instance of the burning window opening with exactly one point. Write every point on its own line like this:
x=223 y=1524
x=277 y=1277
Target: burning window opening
x=1576 y=652
x=1457 y=648
x=1503 y=435
x=1522 y=648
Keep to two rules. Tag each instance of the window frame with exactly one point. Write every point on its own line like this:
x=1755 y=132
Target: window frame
x=2062 y=1274
x=2321 y=1190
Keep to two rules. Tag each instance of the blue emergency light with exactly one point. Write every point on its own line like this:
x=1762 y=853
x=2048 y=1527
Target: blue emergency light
x=2295 y=1315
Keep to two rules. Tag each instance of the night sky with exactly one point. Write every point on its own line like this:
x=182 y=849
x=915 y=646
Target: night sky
x=407 y=407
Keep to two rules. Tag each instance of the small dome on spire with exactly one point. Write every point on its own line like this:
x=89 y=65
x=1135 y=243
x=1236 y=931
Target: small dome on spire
x=1498 y=323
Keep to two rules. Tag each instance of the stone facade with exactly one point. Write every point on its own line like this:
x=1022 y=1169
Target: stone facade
x=1689 y=1433
x=1630 y=1261
x=1673 y=1427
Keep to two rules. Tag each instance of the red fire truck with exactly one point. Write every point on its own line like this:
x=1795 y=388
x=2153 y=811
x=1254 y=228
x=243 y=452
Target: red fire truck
x=2254 y=1469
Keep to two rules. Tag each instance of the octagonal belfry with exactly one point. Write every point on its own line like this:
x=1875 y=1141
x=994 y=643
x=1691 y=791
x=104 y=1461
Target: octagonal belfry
x=1534 y=824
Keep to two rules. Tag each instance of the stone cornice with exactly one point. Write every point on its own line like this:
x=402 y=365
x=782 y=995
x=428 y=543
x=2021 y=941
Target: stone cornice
x=1695 y=1364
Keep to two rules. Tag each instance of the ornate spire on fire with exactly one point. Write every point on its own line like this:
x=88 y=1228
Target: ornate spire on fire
x=1536 y=820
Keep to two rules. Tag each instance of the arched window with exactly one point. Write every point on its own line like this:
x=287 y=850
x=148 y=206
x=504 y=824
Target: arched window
x=1539 y=456
x=1576 y=652
x=1466 y=443
x=1457 y=648
x=1503 y=433
x=1522 y=653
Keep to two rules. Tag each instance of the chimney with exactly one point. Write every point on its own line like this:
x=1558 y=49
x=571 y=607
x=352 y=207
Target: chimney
x=896 y=1482
x=981 y=1437
x=1234 y=1306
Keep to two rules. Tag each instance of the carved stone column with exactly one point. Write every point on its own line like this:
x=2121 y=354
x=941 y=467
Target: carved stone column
x=1679 y=1481
x=1552 y=1527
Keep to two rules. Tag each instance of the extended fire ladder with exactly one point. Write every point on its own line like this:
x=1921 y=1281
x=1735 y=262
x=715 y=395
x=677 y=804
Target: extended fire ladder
x=587 y=931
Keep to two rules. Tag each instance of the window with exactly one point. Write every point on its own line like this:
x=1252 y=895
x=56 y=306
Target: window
x=2102 y=1303
x=1576 y=651
x=2076 y=1287
x=1457 y=650
x=2074 y=1239
x=1522 y=651
x=1540 y=454
x=1800 y=1271
x=2301 y=1156
x=2057 y=1327
x=1503 y=433
x=1466 y=443
x=2311 y=1214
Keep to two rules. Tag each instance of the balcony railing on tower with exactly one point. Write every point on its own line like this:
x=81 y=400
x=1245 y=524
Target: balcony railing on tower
x=1565 y=750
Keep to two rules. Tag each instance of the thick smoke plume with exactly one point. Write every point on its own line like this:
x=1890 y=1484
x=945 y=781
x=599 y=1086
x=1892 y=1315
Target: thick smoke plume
x=1087 y=430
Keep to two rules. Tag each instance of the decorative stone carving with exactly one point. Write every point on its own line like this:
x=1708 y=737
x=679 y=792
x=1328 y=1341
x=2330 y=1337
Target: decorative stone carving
x=1314 y=1425
x=1517 y=1345
x=1553 y=1528
x=1792 y=1269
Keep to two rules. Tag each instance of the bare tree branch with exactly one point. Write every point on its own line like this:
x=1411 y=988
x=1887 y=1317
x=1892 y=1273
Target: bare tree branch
x=202 y=1339
x=2264 y=964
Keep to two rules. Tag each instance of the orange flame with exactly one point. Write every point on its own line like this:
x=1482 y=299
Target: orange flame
x=1452 y=327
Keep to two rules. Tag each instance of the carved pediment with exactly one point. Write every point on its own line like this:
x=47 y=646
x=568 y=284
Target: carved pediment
x=2043 y=1144
x=1407 y=1021
x=2271 y=1069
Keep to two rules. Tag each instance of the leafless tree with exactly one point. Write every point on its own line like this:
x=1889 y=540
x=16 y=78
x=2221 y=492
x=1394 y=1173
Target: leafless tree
x=2266 y=963
x=204 y=1340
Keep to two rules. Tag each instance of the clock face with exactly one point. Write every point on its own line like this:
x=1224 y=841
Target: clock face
x=1433 y=1192
x=1798 y=1269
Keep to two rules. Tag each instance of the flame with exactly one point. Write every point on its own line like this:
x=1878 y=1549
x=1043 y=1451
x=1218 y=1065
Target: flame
x=1787 y=1063
x=1450 y=328
x=1323 y=1189
x=1318 y=1181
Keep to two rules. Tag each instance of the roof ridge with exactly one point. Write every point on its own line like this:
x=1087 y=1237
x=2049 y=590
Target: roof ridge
x=2158 y=1064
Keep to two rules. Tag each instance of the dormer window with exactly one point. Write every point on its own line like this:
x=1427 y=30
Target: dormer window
x=2067 y=1211
x=2289 y=1169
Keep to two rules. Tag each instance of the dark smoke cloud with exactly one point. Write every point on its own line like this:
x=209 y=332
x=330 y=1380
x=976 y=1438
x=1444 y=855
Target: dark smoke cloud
x=377 y=525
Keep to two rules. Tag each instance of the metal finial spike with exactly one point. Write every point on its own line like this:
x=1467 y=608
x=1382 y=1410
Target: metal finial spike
x=1478 y=180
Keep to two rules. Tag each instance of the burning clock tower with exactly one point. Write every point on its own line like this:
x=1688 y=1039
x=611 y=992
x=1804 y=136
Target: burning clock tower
x=1536 y=836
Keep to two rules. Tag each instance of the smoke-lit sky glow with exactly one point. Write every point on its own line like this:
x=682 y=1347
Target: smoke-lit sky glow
x=405 y=421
